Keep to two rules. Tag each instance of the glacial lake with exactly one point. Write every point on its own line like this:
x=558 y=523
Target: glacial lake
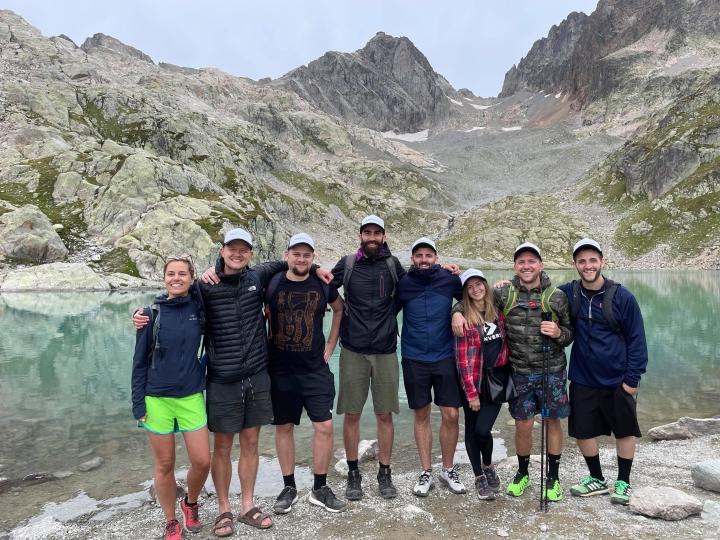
x=65 y=361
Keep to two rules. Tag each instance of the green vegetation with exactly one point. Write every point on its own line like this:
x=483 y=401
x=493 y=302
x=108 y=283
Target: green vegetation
x=114 y=127
x=117 y=260
x=325 y=193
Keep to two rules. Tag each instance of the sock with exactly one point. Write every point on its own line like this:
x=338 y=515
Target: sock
x=593 y=463
x=523 y=463
x=289 y=480
x=553 y=466
x=189 y=503
x=320 y=481
x=384 y=467
x=353 y=465
x=624 y=466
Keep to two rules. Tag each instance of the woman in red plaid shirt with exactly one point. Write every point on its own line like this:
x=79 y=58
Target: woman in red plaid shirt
x=482 y=348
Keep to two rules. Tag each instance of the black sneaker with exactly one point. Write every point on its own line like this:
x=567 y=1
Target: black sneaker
x=484 y=491
x=353 y=491
x=492 y=479
x=283 y=504
x=385 y=484
x=326 y=498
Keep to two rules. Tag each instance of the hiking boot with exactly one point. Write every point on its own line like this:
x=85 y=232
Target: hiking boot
x=191 y=521
x=353 y=491
x=589 y=486
x=424 y=484
x=385 y=484
x=484 y=491
x=283 y=504
x=325 y=498
x=553 y=491
x=621 y=493
x=451 y=479
x=492 y=479
x=173 y=531
x=519 y=484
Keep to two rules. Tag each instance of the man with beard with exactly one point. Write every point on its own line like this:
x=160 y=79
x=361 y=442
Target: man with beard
x=299 y=373
x=607 y=360
x=426 y=295
x=368 y=340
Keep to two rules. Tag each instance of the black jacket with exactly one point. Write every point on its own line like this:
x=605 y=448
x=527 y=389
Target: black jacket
x=370 y=322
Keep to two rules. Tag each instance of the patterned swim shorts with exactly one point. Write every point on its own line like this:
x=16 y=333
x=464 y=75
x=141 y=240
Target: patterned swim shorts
x=530 y=395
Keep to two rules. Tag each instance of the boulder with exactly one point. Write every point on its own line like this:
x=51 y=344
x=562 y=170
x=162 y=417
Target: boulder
x=71 y=186
x=711 y=512
x=685 y=428
x=54 y=277
x=27 y=234
x=665 y=503
x=91 y=464
x=706 y=475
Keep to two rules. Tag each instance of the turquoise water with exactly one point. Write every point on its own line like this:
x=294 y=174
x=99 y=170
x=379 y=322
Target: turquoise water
x=65 y=363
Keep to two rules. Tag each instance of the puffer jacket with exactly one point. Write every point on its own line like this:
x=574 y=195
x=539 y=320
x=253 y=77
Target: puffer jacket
x=236 y=337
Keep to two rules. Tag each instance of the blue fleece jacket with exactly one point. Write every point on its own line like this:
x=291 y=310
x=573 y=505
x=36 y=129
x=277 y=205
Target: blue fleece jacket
x=426 y=296
x=601 y=358
x=174 y=370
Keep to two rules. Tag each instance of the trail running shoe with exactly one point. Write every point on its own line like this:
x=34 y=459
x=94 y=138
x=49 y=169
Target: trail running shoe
x=353 y=491
x=424 y=484
x=492 y=479
x=173 y=531
x=385 y=484
x=451 y=479
x=621 y=493
x=484 y=491
x=325 y=498
x=519 y=484
x=554 y=490
x=191 y=522
x=283 y=504
x=589 y=486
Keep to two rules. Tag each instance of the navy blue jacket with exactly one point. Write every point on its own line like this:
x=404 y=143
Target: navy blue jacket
x=426 y=296
x=174 y=369
x=601 y=358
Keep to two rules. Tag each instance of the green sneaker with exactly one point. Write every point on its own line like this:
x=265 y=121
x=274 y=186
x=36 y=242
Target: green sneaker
x=519 y=484
x=553 y=493
x=621 y=493
x=589 y=486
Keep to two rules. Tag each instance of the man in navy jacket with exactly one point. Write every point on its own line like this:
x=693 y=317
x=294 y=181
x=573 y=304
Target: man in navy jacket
x=607 y=361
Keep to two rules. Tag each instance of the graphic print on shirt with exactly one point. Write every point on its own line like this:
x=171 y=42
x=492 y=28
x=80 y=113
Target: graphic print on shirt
x=295 y=317
x=491 y=332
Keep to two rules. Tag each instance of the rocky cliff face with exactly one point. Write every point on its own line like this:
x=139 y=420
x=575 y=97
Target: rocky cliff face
x=388 y=84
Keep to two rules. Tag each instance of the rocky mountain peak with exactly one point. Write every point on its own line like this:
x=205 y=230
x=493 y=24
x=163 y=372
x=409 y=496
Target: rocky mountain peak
x=104 y=42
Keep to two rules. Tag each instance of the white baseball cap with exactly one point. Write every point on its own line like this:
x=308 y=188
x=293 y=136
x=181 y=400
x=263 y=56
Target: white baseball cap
x=372 y=219
x=301 y=238
x=587 y=243
x=238 y=234
x=470 y=273
x=527 y=246
x=424 y=241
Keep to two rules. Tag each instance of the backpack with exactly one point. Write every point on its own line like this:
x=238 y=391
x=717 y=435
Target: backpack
x=350 y=264
x=610 y=289
x=544 y=300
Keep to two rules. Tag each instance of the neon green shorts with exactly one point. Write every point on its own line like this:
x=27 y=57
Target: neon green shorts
x=166 y=415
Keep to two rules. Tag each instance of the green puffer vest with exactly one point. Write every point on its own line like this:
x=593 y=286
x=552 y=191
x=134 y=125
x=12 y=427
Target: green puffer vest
x=523 y=327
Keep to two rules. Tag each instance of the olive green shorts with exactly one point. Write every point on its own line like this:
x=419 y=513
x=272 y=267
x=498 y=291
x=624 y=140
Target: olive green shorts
x=166 y=415
x=360 y=372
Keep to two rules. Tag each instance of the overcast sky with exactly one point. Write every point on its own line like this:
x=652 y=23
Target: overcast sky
x=470 y=42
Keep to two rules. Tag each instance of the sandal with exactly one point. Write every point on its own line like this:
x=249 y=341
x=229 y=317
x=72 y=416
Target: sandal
x=255 y=517
x=224 y=521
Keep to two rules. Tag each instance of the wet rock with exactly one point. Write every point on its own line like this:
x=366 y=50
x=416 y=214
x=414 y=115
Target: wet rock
x=706 y=475
x=62 y=474
x=91 y=464
x=86 y=453
x=54 y=276
x=685 y=428
x=665 y=503
x=27 y=234
x=367 y=451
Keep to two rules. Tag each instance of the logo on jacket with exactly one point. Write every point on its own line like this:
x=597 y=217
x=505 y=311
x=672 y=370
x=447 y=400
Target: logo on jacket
x=252 y=288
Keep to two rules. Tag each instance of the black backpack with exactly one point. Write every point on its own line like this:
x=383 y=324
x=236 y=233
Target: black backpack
x=350 y=264
x=610 y=288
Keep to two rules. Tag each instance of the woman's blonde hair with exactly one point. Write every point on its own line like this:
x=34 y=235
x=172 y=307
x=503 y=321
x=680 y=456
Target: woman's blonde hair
x=472 y=312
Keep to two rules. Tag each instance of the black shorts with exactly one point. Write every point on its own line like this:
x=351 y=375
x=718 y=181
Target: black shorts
x=601 y=411
x=315 y=391
x=441 y=377
x=232 y=407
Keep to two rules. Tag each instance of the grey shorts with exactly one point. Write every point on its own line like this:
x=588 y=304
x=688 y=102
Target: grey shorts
x=232 y=407
x=361 y=372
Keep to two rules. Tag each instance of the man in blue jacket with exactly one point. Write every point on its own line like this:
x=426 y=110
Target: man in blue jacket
x=426 y=295
x=608 y=358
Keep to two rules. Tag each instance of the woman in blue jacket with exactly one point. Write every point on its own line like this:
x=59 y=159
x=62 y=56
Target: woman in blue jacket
x=168 y=381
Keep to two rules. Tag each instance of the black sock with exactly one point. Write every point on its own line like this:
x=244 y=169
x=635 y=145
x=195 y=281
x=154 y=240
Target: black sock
x=384 y=467
x=523 y=464
x=289 y=480
x=593 y=463
x=353 y=465
x=553 y=466
x=624 y=466
x=320 y=481
x=189 y=503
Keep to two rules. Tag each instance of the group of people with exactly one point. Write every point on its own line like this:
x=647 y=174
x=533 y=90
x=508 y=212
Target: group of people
x=508 y=346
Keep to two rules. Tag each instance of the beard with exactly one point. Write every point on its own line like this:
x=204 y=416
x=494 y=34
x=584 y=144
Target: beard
x=595 y=276
x=371 y=248
x=300 y=272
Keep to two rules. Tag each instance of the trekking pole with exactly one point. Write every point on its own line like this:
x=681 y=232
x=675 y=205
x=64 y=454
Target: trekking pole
x=544 y=415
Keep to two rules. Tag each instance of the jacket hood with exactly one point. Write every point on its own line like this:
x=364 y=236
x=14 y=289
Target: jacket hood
x=178 y=300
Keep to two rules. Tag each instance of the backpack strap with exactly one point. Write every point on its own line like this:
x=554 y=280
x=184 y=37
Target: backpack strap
x=511 y=299
x=155 y=321
x=545 y=301
x=607 y=306
x=347 y=272
x=390 y=261
x=575 y=301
